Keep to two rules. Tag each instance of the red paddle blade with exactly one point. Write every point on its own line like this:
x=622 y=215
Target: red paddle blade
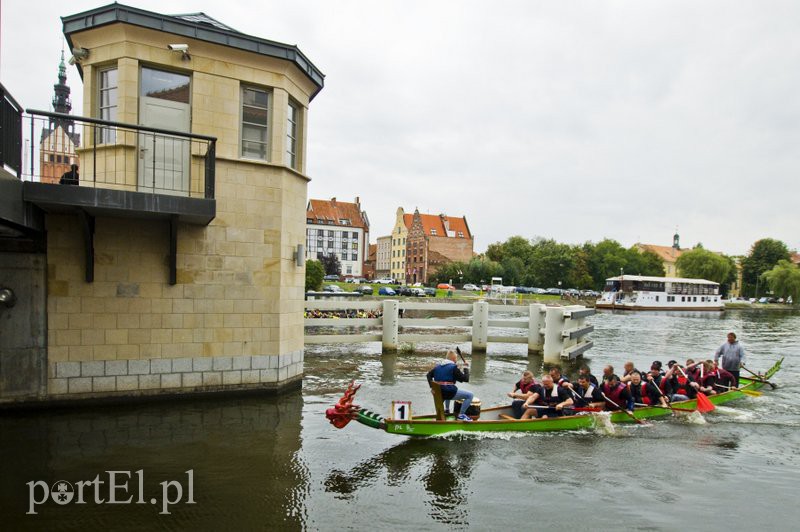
x=704 y=404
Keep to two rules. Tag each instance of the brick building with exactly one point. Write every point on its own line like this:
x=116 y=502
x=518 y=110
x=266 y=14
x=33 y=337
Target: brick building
x=340 y=228
x=434 y=240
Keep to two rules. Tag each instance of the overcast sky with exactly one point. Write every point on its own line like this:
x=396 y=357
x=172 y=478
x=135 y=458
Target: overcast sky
x=568 y=120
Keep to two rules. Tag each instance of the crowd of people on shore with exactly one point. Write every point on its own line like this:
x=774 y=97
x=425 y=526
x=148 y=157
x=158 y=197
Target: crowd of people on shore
x=555 y=395
x=338 y=314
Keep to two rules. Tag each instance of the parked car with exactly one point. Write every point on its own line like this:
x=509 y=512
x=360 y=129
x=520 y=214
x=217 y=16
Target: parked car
x=386 y=291
x=331 y=277
x=470 y=286
x=366 y=290
x=553 y=291
x=332 y=288
x=385 y=280
x=418 y=292
x=523 y=290
x=763 y=300
x=445 y=286
x=418 y=285
x=404 y=291
x=430 y=292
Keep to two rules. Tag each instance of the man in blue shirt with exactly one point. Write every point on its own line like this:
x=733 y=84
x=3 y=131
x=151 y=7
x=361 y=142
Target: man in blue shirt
x=446 y=373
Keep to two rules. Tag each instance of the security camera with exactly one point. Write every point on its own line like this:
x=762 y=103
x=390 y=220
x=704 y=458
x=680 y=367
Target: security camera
x=178 y=47
x=78 y=55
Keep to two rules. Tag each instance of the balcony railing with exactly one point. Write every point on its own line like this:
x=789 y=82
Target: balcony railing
x=10 y=133
x=83 y=151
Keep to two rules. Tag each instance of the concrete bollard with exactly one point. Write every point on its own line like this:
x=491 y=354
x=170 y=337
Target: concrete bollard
x=553 y=342
x=535 y=324
x=480 y=326
x=390 y=324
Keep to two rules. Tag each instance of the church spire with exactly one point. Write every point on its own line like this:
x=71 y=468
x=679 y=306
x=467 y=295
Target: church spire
x=61 y=102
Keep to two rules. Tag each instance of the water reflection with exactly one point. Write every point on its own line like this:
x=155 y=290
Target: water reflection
x=245 y=454
x=443 y=467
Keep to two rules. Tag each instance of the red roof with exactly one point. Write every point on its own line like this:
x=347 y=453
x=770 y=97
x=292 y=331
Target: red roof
x=441 y=223
x=340 y=213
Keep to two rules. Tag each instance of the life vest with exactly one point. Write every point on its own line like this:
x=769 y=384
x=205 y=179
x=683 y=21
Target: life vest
x=589 y=393
x=614 y=395
x=525 y=387
x=683 y=386
x=561 y=380
x=550 y=397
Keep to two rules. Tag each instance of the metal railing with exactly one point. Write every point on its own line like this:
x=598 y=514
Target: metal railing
x=10 y=132
x=71 y=149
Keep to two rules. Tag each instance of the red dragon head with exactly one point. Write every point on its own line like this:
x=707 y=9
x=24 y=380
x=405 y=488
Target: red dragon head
x=344 y=410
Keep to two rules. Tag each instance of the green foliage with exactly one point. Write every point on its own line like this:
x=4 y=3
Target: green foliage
x=702 y=264
x=550 y=262
x=314 y=275
x=331 y=264
x=764 y=255
x=784 y=280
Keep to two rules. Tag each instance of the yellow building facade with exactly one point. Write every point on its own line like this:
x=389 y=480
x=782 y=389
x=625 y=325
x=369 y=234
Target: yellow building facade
x=397 y=258
x=233 y=318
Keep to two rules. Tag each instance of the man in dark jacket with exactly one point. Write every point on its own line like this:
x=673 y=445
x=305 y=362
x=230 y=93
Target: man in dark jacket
x=71 y=177
x=446 y=373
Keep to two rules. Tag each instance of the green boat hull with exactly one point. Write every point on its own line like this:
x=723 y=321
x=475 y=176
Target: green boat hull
x=430 y=426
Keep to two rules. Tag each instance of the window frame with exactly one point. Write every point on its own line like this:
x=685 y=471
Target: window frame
x=293 y=132
x=107 y=112
x=267 y=127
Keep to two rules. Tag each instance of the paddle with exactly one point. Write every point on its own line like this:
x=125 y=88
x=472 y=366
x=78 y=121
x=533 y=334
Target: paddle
x=639 y=421
x=669 y=407
x=462 y=356
x=704 y=404
x=751 y=393
x=575 y=408
x=758 y=378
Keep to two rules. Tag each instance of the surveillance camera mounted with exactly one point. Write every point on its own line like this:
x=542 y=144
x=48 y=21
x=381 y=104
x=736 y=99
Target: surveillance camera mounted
x=178 y=47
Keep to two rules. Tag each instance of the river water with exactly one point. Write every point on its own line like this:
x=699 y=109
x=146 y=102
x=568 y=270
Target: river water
x=276 y=464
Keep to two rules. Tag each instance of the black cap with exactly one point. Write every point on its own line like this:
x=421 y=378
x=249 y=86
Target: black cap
x=671 y=363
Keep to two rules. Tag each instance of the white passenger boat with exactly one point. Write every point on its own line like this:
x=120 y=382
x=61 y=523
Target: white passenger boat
x=638 y=292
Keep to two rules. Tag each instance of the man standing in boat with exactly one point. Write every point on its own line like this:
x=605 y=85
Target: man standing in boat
x=732 y=355
x=446 y=373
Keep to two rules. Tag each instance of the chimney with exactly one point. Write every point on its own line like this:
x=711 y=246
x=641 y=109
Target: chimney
x=333 y=202
x=358 y=201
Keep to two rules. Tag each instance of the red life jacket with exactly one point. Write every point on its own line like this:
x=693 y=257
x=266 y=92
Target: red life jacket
x=615 y=395
x=645 y=398
x=683 y=386
x=524 y=388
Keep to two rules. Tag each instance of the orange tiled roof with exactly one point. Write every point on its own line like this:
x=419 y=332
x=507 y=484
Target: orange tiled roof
x=666 y=253
x=323 y=211
x=795 y=258
x=437 y=222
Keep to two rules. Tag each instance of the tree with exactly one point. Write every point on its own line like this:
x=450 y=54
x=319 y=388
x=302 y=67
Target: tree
x=784 y=280
x=550 y=265
x=314 y=275
x=702 y=264
x=764 y=255
x=331 y=264
x=644 y=263
x=606 y=259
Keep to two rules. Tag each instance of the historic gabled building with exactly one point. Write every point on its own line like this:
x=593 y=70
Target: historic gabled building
x=59 y=138
x=397 y=259
x=339 y=228
x=434 y=240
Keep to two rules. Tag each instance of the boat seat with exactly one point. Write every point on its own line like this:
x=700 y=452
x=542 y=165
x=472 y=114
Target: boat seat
x=438 y=402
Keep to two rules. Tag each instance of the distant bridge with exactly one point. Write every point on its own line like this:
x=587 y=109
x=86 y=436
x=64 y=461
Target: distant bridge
x=557 y=332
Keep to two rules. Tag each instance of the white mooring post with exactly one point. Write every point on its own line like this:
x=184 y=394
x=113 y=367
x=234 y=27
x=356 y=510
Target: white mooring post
x=480 y=326
x=553 y=342
x=535 y=327
x=390 y=321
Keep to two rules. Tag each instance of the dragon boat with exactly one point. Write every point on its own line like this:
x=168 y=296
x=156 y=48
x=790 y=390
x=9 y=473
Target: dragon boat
x=499 y=419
